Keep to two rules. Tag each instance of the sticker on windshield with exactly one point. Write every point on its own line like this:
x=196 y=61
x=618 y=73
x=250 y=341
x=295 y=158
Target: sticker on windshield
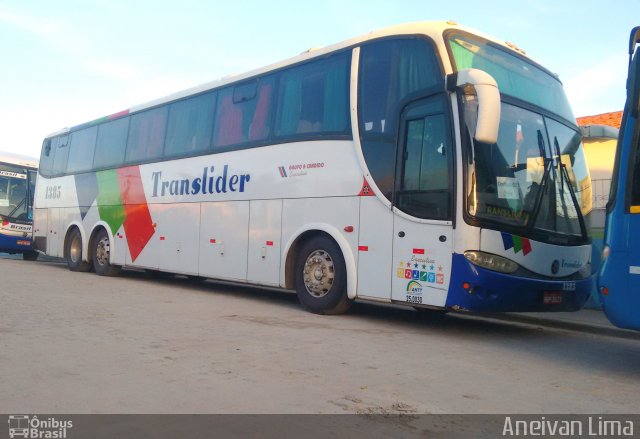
x=13 y=174
x=508 y=187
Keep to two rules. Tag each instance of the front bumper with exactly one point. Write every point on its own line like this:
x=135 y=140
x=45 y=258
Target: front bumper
x=491 y=291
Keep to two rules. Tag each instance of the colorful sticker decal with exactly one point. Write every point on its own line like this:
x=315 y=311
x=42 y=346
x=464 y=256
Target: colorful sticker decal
x=414 y=292
x=119 y=195
x=516 y=243
x=366 y=190
x=299 y=169
x=414 y=288
x=423 y=269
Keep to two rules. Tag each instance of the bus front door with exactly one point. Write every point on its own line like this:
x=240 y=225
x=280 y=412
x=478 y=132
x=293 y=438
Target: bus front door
x=422 y=225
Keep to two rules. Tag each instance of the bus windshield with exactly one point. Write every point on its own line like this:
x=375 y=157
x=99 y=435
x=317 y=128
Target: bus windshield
x=535 y=179
x=515 y=76
x=16 y=192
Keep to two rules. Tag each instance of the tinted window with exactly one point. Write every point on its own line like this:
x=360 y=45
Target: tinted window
x=61 y=154
x=111 y=143
x=243 y=113
x=82 y=146
x=190 y=125
x=634 y=147
x=314 y=98
x=390 y=72
x=424 y=189
x=46 y=156
x=146 y=135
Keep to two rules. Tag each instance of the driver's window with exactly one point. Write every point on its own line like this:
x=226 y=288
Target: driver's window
x=4 y=191
x=425 y=181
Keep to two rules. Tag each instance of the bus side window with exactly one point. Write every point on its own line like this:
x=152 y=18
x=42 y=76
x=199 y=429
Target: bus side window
x=81 y=149
x=111 y=143
x=46 y=156
x=244 y=112
x=146 y=134
x=61 y=155
x=425 y=171
x=635 y=180
x=314 y=98
x=390 y=71
x=190 y=125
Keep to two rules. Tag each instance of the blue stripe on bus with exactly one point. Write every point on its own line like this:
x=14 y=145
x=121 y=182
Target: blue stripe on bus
x=9 y=244
x=500 y=292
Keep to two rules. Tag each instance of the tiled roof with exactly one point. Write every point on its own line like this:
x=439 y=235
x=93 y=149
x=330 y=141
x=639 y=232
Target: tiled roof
x=609 y=119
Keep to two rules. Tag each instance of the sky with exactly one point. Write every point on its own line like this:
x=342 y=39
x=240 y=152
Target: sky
x=67 y=62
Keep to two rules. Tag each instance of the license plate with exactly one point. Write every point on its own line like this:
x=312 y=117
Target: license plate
x=552 y=297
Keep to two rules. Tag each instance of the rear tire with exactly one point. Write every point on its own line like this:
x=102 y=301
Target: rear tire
x=73 y=252
x=101 y=252
x=321 y=277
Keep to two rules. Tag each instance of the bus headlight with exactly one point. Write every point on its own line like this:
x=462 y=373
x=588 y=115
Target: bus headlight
x=491 y=262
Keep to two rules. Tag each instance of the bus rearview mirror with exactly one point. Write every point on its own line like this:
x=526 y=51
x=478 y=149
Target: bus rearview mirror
x=480 y=83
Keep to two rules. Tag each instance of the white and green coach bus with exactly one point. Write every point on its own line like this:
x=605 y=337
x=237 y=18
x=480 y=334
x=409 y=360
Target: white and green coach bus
x=424 y=164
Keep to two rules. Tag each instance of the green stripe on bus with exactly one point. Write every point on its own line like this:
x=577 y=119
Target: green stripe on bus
x=109 y=200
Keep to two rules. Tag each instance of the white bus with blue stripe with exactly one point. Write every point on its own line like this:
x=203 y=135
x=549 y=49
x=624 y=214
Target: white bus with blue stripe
x=17 y=183
x=425 y=164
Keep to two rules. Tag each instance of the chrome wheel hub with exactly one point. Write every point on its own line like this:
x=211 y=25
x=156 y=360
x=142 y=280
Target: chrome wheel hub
x=318 y=273
x=102 y=251
x=75 y=249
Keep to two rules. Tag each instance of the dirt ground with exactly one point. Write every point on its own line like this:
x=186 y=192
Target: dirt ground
x=80 y=343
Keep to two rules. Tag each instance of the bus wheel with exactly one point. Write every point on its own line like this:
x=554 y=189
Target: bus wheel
x=73 y=252
x=101 y=252
x=30 y=255
x=321 y=277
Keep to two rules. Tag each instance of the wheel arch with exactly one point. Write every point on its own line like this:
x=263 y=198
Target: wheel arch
x=307 y=232
x=83 y=235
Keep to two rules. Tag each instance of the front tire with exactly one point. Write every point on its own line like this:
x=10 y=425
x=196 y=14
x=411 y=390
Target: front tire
x=321 y=277
x=73 y=252
x=101 y=252
x=30 y=255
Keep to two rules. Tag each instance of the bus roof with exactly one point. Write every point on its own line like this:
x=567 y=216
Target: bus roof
x=432 y=29
x=18 y=159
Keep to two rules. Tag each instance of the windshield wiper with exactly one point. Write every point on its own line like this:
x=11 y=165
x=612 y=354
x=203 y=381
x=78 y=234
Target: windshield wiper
x=15 y=209
x=548 y=164
x=564 y=178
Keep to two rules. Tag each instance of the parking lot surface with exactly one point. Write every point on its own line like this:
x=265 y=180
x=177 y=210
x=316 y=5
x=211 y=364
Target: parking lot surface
x=81 y=343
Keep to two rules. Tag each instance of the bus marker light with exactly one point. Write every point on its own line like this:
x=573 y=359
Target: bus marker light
x=348 y=229
x=212 y=241
x=363 y=248
x=466 y=286
x=162 y=238
x=269 y=243
x=605 y=291
x=418 y=251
